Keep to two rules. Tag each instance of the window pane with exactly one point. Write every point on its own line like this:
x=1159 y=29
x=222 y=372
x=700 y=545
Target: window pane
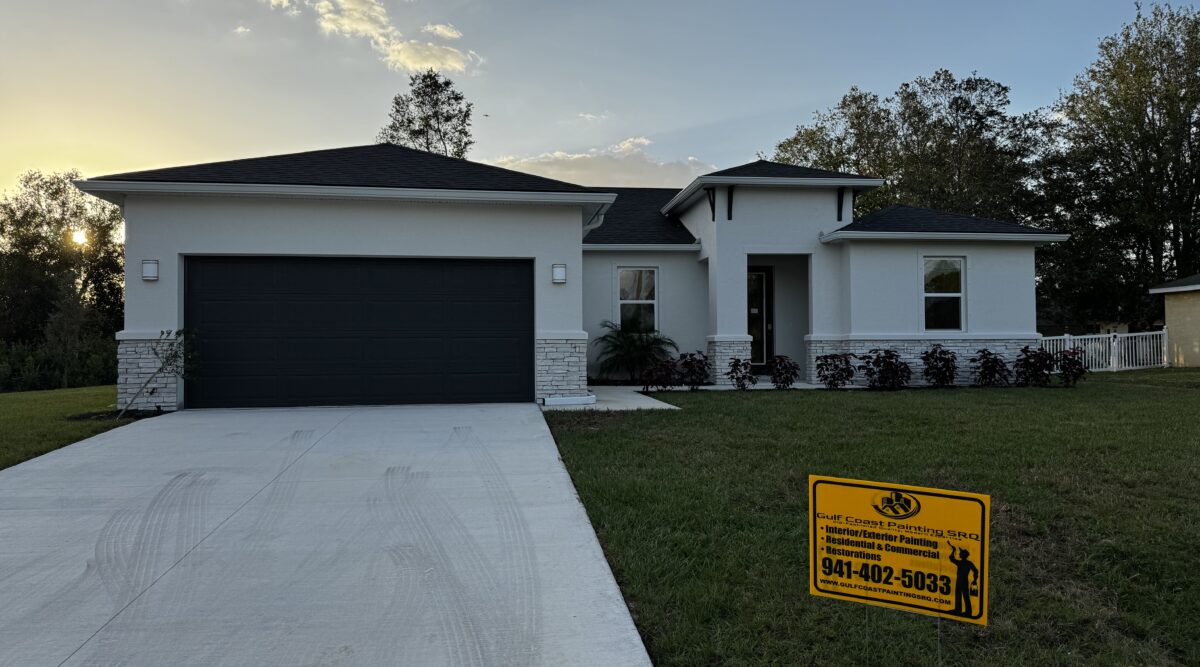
x=637 y=284
x=637 y=317
x=943 y=312
x=943 y=275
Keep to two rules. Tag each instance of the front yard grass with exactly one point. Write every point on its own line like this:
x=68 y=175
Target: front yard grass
x=702 y=513
x=35 y=422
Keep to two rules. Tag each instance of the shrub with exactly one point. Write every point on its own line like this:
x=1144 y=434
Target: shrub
x=784 y=372
x=1033 y=367
x=1071 y=366
x=740 y=374
x=989 y=369
x=661 y=376
x=885 y=370
x=941 y=366
x=694 y=369
x=835 y=370
x=631 y=352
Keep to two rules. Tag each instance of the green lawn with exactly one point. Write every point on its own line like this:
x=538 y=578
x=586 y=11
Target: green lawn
x=1096 y=519
x=35 y=422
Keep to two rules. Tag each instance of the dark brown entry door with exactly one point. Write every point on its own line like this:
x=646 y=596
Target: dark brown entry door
x=760 y=322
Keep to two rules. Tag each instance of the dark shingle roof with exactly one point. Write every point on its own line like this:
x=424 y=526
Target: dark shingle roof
x=1190 y=281
x=635 y=218
x=898 y=218
x=768 y=169
x=373 y=166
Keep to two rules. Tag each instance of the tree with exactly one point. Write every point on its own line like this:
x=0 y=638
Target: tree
x=55 y=238
x=1127 y=159
x=433 y=116
x=939 y=141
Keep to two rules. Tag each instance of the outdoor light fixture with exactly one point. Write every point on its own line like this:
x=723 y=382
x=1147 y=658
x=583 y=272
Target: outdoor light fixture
x=559 y=274
x=149 y=269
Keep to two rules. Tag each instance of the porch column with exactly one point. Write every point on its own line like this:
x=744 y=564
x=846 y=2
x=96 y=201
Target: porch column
x=727 y=337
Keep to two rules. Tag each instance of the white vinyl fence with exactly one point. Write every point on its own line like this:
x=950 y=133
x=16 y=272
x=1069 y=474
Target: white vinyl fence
x=1115 y=352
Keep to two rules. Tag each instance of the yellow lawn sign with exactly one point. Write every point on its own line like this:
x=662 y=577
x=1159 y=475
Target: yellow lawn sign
x=906 y=547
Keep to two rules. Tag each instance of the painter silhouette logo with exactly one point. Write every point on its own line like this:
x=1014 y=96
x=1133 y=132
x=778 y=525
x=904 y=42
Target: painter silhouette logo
x=896 y=505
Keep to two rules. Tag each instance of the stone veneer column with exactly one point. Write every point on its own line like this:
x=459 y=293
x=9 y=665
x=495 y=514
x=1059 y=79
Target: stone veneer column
x=721 y=351
x=136 y=362
x=560 y=367
x=910 y=351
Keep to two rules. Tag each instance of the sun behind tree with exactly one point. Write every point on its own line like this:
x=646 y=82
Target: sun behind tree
x=433 y=116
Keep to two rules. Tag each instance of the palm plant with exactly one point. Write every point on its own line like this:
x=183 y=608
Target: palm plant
x=631 y=352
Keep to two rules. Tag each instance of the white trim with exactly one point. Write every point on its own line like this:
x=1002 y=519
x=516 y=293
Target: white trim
x=836 y=236
x=642 y=247
x=768 y=181
x=933 y=335
x=1169 y=290
x=777 y=249
x=730 y=338
x=569 y=400
x=618 y=301
x=560 y=335
x=115 y=188
x=141 y=335
x=961 y=294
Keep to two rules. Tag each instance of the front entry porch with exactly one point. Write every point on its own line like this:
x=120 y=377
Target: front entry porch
x=768 y=314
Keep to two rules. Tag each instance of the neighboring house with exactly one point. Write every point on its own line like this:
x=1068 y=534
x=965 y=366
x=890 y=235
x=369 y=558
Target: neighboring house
x=380 y=274
x=1182 y=300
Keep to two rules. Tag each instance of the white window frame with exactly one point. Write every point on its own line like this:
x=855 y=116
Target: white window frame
x=961 y=293
x=618 y=301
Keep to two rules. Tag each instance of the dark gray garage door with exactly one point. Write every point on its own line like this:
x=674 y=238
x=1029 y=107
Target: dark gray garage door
x=279 y=331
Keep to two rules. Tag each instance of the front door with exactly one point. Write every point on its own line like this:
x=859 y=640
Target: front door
x=759 y=317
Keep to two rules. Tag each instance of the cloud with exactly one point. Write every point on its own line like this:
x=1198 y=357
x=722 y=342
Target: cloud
x=630 y=145
x=594 y=117
x=241 y=30
x=443 y=30
x=622 y=164
x=368 y=19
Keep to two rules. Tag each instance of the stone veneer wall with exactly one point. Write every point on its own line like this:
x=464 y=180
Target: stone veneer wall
x=911 y=351
x=136 y=362
x=719 y=354
x=561 y=367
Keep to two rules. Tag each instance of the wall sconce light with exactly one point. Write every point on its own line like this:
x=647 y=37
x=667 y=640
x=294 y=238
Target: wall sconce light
x=149 y=269
x=558 y=274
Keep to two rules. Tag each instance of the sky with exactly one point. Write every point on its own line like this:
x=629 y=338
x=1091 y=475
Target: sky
x=607 y=92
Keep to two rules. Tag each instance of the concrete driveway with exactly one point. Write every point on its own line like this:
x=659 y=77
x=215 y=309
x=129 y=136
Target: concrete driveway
x=432 y=535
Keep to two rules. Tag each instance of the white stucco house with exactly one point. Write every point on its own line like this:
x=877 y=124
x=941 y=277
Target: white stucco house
x=380 y=274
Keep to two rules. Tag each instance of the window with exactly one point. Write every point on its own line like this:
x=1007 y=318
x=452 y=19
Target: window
x=637 y=299
x=944 y=294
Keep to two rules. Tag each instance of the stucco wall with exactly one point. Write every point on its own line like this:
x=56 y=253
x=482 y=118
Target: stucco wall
x=1183 y=327
x=887 y=282
x=167 y=228
x=682 y=291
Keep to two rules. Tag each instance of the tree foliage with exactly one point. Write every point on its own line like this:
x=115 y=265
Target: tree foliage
x=433 y=116
x=61 y=297
x=939 y=141
x=1123 y=171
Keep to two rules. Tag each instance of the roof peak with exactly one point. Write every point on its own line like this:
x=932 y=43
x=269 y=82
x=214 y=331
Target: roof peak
x=764 y=168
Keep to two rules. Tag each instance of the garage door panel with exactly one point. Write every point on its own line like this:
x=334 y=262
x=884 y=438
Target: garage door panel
x=277 y=331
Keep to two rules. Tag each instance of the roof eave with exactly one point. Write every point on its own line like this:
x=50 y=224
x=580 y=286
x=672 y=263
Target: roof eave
x=642 y=247
x=116 y=191
x=685 y=195
x=1011 y=237
x=1178 y=288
